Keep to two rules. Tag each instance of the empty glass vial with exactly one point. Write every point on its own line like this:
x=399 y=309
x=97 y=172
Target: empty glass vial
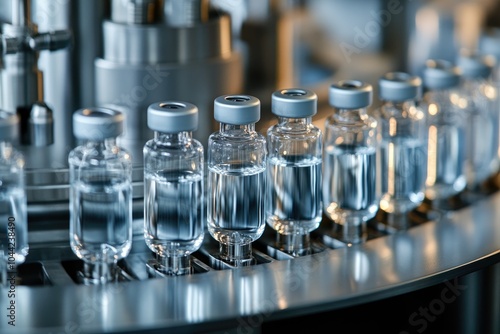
x=173 y=186
x=482 y=121
x=403 y=147
x=350 y=193
x=294 y=163
x=446 y=132
x=13 y=210
x=237 y=178
x=100 y=194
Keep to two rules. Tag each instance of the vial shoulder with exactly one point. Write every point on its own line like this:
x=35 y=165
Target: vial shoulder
x=155 y=148
x=218 y=138
x=90 y=155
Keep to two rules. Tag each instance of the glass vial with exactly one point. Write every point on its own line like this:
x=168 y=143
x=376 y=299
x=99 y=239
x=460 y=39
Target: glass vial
x=237 y=178
x=13 y=207
x=173 y=186
x=482 y=125
x=403 y=147
x=294 y=162
x=490 y=47
x=446 y=132
x=100 y=194
x=350 y=193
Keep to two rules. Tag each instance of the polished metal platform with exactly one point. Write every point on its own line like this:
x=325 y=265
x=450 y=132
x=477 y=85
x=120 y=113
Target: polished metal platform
x=219 y=298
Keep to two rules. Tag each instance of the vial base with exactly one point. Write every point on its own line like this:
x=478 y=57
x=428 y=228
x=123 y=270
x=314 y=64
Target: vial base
x=294 y=244
x=98 y=273
x=236 y=255
x=350 y=230
x=172 y=265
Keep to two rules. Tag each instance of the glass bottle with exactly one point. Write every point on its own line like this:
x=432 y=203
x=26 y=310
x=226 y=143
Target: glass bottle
x=445 y=115
x=350 y=193
x=403 y=147
x=489 y=46
x=13 y=207
x=482 y=121
x=100 y=194
x=294 y=162
x=173 y=188
x=237 y=178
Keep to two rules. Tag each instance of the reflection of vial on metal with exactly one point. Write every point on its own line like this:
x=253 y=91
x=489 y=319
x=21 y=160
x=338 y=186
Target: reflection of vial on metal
x=236 y=183
x=173 y=188
x=350 y=193
x=100 y=194
x=403 y=147
x=481 y=136
x=294 y=162
x=446 y=131
x=13 y=211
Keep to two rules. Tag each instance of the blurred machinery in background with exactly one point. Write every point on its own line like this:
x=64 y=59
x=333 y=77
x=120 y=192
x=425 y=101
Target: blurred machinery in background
x=63 y=55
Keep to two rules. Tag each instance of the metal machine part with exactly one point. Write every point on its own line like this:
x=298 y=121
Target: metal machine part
x=154 y=61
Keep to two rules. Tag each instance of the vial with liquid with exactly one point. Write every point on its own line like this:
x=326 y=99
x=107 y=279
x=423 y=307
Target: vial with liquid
x=350 y=190
x=294 y=163
x=403 y=147
x=446 y=116
x=236 y=160
x=482 y=123
x=100 y=194
x=489 y=45
x=13 y=207
x=174 y=219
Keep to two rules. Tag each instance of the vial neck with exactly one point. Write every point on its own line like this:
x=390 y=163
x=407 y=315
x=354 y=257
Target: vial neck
x=102 y=145
x=398 y=105
x=237 y=130
x=294 y=123
x=173 y=138
x=350 y=115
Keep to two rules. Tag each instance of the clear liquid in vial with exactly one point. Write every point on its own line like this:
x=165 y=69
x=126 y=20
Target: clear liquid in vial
x=13 y=204
x=174 y=212
x=236 y=204
x=294 y=200
x=102 y=216
x=445 y=167
x=349 y=182
x=403 y=170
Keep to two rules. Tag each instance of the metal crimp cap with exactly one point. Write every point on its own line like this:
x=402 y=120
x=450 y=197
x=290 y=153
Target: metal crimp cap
x=440 y=74
x=172 y=116
x=294 y=103
x=8 y=126
x=237 y=109
x=350 y=94
x=474 y=65
x=97 y=123
x=399 y=86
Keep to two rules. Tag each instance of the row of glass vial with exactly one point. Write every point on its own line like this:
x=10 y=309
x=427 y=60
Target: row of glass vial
x=369 y=163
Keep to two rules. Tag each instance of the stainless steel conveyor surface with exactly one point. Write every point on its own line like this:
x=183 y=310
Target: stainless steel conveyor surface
x=458 y=243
